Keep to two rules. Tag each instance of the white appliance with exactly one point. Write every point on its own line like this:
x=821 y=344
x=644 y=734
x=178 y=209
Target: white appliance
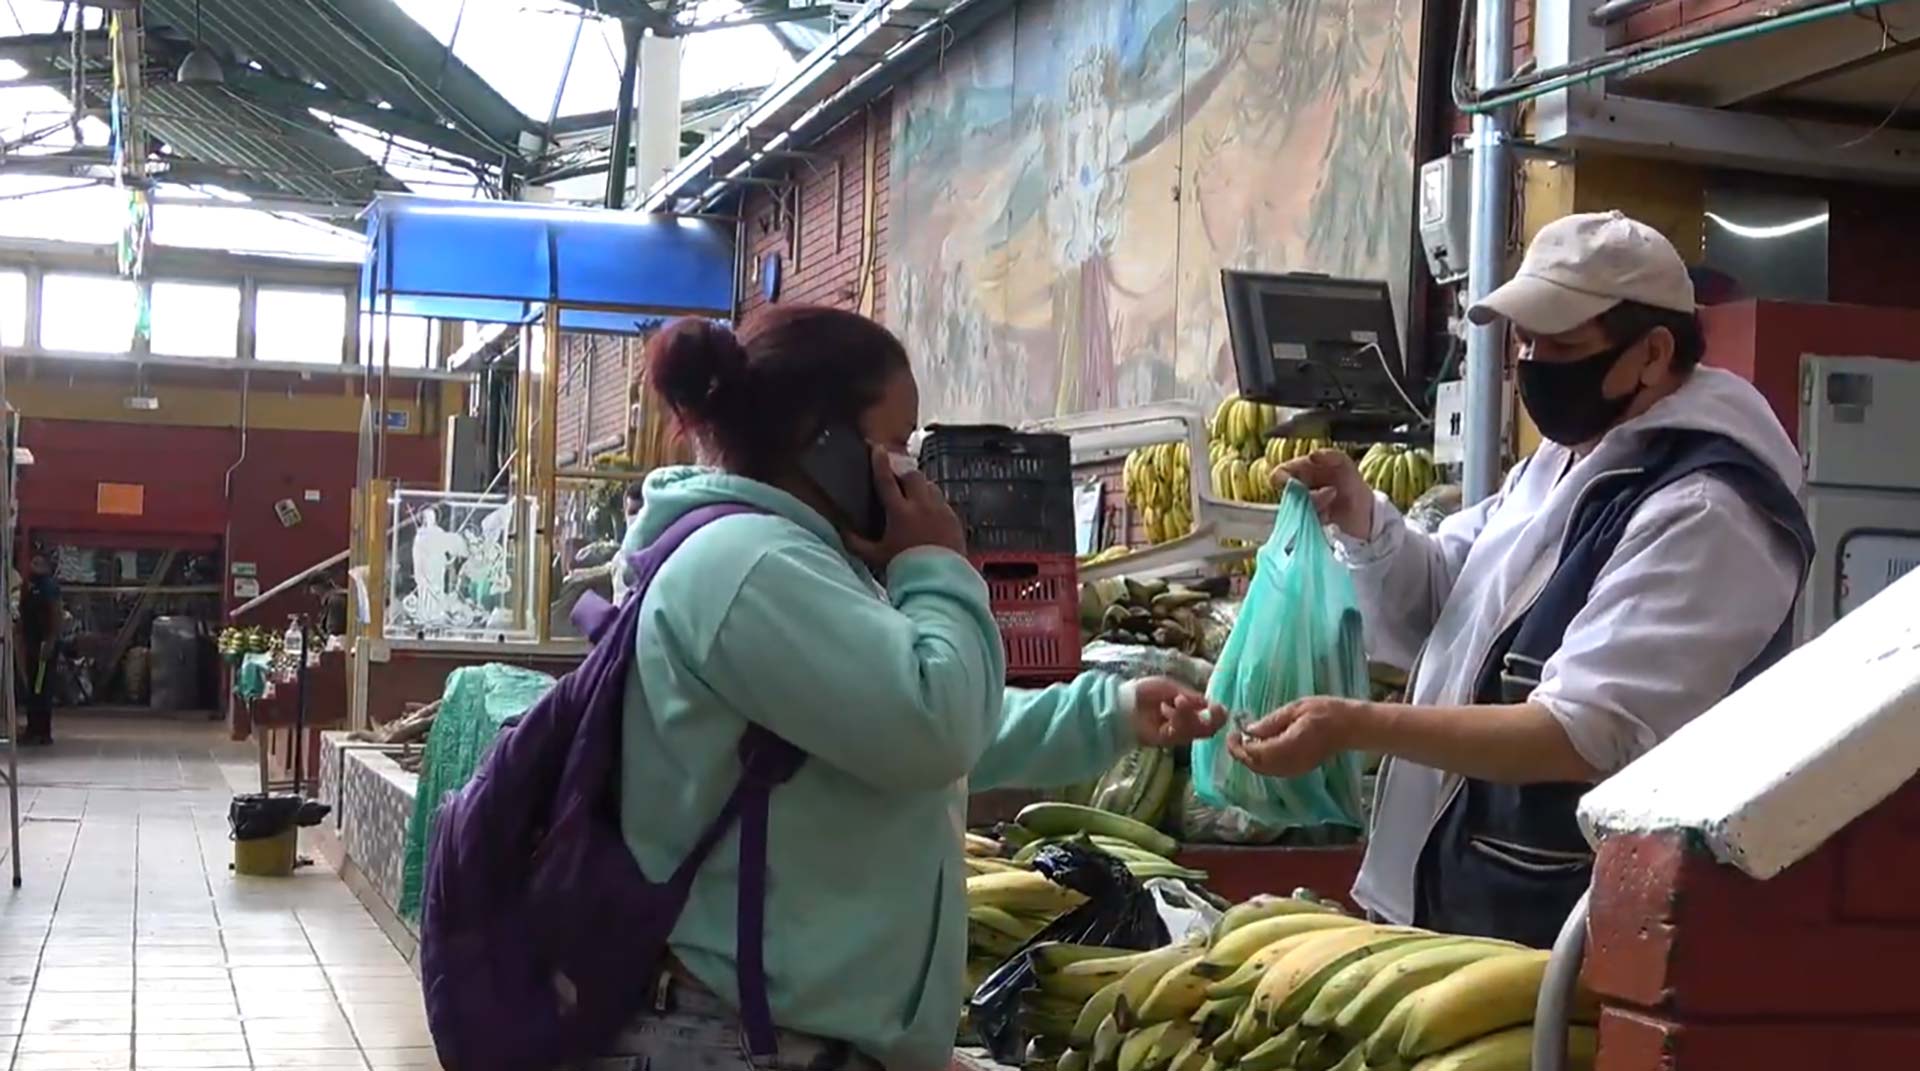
x=1860 y=442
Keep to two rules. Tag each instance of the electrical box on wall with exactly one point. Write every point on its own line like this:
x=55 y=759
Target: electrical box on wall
x=1446 y=210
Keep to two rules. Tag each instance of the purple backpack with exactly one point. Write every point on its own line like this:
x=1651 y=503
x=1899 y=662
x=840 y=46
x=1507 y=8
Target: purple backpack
x=540 y=938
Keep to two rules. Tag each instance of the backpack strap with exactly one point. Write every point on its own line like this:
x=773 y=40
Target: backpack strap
x=766 y=762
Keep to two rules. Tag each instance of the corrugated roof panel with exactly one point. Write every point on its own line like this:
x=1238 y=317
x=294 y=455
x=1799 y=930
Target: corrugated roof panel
x=290 y=154
x=367 y=49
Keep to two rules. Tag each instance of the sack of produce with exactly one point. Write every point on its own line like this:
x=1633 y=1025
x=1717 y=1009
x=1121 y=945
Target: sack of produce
x=1438 y=503
x=1298 y=635
x=1116 y=912
x=1133 y=662
x=1202 y=823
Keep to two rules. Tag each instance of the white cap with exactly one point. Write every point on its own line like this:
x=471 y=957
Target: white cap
x=1580 y=266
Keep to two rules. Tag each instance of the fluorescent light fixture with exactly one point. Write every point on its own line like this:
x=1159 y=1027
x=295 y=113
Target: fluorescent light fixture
x=11 y=71
x=1776 y=230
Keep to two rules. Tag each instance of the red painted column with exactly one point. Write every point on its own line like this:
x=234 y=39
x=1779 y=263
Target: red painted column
x=1702 y=968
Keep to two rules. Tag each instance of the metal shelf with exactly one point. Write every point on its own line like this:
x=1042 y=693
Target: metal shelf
x=1108 y=435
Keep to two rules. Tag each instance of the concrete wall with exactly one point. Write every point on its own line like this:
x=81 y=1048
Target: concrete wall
x=1078 y=173
x=302 y=436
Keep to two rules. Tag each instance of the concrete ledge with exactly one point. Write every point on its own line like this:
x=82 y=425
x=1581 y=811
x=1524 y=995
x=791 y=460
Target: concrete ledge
x=1781 y=766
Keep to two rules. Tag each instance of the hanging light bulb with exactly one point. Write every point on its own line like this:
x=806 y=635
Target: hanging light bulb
x=201 y=67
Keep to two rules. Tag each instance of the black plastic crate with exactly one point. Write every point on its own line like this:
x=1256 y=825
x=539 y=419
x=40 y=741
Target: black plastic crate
x=1013 y=490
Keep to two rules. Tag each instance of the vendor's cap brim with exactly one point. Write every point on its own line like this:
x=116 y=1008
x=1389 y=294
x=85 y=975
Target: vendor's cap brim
x=1540 y=306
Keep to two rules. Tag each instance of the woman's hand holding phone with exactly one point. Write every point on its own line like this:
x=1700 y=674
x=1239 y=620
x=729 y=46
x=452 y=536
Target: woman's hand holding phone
x=917 y=516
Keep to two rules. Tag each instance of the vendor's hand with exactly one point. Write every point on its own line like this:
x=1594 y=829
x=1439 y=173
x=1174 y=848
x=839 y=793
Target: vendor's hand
x=1297 y=738
x=1167 y=713
x=1333 y=481
x=917 y=516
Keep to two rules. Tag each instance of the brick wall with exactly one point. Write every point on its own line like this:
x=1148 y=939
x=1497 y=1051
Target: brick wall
x=838 y=228
x=1702 y=968
x=595 y=392
x=1668 y=16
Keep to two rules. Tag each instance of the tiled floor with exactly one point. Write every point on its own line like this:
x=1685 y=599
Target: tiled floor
x=130 y=945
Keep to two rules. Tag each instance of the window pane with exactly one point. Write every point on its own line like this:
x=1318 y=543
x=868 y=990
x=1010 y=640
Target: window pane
x=13 y=308
x=299 y=326
x=412 y=339
x=195 y=319
x=86 y=313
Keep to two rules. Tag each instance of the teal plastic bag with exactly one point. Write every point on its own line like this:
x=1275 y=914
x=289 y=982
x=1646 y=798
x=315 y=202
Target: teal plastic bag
x=1298 y=635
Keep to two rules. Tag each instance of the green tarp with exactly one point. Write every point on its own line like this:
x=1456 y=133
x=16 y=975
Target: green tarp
x=477 y=701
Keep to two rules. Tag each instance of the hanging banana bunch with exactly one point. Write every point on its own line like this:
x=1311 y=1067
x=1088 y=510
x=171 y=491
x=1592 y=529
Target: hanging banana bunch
x=1401 y=473
x=1242 y=427
x=1159 y=484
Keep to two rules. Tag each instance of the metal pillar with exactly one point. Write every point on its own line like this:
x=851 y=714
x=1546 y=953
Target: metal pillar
x=623 y=118
x=1486 y=259
x=657 y=139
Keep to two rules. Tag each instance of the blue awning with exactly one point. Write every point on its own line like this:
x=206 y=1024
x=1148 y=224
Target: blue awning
x=499 y=261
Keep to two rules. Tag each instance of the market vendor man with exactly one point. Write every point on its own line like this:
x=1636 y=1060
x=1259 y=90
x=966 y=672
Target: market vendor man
x=1642 y=563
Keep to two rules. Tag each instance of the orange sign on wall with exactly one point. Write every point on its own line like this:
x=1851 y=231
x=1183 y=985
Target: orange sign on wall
x=121 y=499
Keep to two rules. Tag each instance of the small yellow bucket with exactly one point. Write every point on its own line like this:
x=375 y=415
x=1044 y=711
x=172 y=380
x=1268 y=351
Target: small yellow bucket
x=267 y=857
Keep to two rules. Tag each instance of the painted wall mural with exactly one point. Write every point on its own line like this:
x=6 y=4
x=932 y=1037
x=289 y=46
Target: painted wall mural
x=1068 y=184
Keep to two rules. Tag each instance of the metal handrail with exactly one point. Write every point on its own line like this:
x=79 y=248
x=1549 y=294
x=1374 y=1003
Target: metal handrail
x=1552 y=1016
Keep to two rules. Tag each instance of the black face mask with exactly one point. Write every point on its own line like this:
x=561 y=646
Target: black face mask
x=1566 y=399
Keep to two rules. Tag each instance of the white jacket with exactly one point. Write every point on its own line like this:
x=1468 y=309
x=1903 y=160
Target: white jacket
x=1698 y=585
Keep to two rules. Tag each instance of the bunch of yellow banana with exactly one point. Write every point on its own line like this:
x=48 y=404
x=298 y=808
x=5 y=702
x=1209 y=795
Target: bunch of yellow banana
x=1237 y=480
x=1243 y=426
x=1281 y=451
x=1158 y=482
x=1008 y=904
x=1113 y=553
x=1402 y=474
x=1291 y=984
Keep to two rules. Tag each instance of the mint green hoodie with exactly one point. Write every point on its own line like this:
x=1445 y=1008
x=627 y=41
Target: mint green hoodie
x=896 y=695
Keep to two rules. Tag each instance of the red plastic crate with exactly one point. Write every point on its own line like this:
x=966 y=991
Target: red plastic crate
x=1036 y=602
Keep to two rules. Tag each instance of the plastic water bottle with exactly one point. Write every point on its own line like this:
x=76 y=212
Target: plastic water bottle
x=295 y=642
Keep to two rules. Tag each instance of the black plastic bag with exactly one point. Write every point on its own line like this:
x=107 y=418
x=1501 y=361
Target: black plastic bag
x=257 y=816
x=1119 y=913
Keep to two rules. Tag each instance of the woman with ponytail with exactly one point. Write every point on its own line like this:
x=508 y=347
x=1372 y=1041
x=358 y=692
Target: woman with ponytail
x=876 y=657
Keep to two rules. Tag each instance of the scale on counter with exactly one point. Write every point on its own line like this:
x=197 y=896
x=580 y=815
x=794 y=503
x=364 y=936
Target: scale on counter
x=1322 y=345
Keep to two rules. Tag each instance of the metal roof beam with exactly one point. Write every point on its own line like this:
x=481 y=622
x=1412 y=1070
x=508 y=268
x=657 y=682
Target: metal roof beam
x=26 y=49
x=858 y=64
x=98 y=164
x=272 y=89
x=380 y=26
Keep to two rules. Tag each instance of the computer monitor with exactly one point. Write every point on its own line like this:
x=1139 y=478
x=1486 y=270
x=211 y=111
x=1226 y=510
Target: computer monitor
x=1308 y=341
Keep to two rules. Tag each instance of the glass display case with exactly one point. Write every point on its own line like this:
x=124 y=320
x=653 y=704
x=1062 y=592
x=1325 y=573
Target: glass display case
x=459 y=567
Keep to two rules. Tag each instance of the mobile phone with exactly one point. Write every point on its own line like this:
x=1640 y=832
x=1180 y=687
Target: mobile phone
x=840 y=463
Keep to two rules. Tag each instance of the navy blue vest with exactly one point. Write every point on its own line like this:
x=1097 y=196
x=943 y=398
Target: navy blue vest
x=1509 y=861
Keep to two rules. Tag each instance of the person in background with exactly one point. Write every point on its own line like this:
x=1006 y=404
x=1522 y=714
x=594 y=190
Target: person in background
x=39 y=633
x=631 y=501
x=880 y=660
x=329 y=593
x=1639 y=566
